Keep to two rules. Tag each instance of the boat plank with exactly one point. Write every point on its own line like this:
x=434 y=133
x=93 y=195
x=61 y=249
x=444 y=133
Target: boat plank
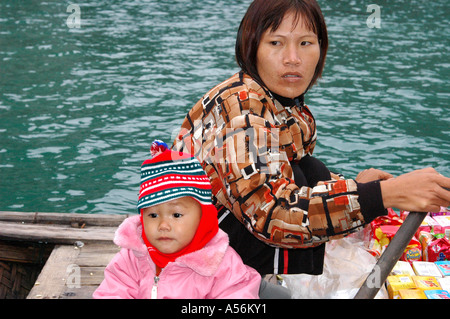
x=24 y=252
x=53 y=278
x=92 y=276
x=97 y=255
x=54 y=233
x=73 y=270
x=106 y=220
x=76 y=293
x=78 y=276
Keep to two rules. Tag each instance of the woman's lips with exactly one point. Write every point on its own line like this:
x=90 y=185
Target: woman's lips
x=292 y=76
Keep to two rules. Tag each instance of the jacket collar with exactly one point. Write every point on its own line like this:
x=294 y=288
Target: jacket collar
x=205 y=261
x=299 y=101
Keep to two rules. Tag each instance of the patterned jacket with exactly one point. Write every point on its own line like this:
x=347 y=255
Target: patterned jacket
x=246 y=140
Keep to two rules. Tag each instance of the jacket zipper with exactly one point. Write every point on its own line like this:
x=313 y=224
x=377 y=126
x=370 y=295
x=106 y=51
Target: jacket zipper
x=155 y=288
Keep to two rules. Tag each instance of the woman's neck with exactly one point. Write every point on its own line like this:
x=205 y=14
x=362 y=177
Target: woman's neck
x=298 y=101
x=286 y=101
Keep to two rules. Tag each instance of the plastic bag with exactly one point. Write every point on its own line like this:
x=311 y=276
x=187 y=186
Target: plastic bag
x=347 y=264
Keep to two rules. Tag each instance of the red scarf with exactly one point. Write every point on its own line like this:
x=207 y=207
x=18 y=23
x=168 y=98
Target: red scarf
x=207 y=229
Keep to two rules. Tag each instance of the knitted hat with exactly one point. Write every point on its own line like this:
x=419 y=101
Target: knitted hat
x=169 y=175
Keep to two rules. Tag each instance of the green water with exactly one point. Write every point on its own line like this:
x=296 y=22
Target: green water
x=79 y=107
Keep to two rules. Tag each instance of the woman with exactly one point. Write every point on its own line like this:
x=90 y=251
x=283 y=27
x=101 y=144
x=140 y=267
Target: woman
x=255 y=138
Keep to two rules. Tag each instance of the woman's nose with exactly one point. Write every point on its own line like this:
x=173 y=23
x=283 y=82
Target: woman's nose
x=292 y=55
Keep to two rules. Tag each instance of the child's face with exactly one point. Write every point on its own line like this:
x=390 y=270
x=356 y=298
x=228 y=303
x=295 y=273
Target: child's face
x=171 y=226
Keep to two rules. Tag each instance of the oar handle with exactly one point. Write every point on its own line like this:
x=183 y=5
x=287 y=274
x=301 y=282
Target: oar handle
x=391 y=255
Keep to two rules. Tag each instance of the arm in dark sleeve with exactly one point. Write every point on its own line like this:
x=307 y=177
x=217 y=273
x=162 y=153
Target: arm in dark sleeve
x=371 y=200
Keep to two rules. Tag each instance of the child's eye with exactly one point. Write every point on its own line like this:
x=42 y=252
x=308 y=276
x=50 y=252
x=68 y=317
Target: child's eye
x=177 y=215
x=153 y=215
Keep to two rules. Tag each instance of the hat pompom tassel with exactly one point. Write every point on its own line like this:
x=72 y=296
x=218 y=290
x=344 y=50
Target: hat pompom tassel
x=158 y=147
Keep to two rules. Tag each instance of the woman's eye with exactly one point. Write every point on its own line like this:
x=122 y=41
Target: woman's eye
x=304 y=43
x=275 y=43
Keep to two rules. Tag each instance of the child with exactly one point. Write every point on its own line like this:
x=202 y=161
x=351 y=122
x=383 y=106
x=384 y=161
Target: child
x=174 y=248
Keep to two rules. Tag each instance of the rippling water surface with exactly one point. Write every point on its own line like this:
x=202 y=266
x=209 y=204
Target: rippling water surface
x=79 y=106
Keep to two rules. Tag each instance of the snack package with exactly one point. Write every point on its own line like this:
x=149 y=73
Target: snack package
x=413 y=251
x=384 y=229
x=433 y=222
x=426 y=282
x=437 y=250
x=445 y=283
x=403 y=214
x=443 y=226
x=395 y=283
x=437 y=294
x=425 y=238
x=384 y=235
x=428 y=225
x=425 y=268
x=444 y=267
x=402 y=268
x=413 y=293
x=390 y=219
x=444 y=212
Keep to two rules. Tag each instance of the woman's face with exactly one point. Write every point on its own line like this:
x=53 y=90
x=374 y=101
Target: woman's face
x=287 y=57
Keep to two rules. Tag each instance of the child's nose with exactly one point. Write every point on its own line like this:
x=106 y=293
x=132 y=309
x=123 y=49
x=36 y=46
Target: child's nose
x=164 y=225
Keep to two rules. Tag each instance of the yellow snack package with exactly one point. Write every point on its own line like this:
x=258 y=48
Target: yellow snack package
x=402 y=268
x=395 y=283
x=413 y=293
x=426 y=282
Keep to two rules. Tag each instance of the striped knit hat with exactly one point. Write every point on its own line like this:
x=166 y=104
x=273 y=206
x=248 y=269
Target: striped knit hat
x=169 y=175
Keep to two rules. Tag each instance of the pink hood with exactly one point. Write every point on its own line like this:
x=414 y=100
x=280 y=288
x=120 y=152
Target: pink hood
x=215 y=271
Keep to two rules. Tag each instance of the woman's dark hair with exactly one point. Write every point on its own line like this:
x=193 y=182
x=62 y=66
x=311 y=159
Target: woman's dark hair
x=264 y=14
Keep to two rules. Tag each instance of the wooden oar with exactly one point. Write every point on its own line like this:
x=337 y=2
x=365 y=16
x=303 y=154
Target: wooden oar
x=391 y=255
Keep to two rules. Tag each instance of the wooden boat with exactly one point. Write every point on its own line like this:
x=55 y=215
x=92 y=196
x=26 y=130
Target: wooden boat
x=54 y=255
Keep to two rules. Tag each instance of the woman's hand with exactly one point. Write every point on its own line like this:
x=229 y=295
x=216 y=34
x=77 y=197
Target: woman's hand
x=423 y=190
x=372 y=174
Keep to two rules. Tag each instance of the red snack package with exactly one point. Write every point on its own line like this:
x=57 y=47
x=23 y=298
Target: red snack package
x=391 y=219
x=428 y=225
x=413 y=252
x=438 y=250
x=385 y=233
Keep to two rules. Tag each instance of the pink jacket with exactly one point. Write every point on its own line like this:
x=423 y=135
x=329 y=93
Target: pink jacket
x=214 y=272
